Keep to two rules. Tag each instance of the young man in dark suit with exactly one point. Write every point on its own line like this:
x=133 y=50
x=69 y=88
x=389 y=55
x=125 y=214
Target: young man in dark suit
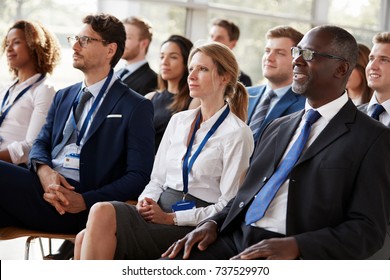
x=276 y=65
x=378 y=78
x=103 y=151
x=333 y=201
x=227 y=32
x=137 y=73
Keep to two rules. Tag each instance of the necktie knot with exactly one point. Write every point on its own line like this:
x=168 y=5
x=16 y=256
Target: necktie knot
x=124 y=73
x=312 y=116
x=378 y=109
x=85 y=96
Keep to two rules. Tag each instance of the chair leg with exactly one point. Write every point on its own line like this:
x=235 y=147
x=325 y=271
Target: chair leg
x=40 y=245
x=27 y=247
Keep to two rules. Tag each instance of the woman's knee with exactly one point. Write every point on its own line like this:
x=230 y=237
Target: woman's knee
x=102 y=213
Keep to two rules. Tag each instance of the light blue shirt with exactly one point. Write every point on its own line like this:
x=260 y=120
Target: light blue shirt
x=58 y=161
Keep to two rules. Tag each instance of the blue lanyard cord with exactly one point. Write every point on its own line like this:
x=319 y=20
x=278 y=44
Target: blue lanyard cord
x=92 y=110
x=188 y=165
x=6 y=97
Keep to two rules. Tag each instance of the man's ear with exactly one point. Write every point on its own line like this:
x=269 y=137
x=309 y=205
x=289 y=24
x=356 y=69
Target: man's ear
x=112 y=47
x=342 y=69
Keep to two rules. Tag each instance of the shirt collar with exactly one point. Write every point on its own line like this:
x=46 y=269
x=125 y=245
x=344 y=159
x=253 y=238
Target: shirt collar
x=329 y=110
x=134 y=66
x=279 y=91
x=210 y=121
x=95 y=88
x=373 y=101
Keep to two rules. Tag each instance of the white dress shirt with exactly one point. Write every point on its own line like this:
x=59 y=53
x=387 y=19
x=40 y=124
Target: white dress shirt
x=275 y=216
x=26 y=117
x=217 y=173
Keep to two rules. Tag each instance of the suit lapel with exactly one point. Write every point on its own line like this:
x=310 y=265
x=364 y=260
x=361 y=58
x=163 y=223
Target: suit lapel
x=287 y=100
x=336 y=128
x=255 y=94
x=136 y=74
x=285 y=133
x=110 y=100
x=63 y=112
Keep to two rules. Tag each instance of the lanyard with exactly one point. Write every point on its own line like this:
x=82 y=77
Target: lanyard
x=4 y=113
x=92 y=110
x=188 y=165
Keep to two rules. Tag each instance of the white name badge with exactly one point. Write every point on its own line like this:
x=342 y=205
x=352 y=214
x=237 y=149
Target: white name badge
x=72 y=161
x=72 y=157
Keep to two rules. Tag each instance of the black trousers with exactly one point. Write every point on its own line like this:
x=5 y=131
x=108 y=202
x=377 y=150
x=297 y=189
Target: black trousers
x=231 y=242
x=22 y=203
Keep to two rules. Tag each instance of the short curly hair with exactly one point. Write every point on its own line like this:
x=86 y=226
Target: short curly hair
x=42 y=44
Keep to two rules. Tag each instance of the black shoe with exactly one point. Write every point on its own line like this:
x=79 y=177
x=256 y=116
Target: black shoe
x=65 y=252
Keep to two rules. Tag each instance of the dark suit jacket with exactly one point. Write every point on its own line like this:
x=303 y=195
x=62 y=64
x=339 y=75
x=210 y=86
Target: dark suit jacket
x=245 y=79
x=118 y=153
x=289 y=103
x=143 y=80
x=339 y=189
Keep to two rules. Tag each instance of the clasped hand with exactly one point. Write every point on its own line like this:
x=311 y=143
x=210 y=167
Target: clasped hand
x=58 y=192
x=152 y=212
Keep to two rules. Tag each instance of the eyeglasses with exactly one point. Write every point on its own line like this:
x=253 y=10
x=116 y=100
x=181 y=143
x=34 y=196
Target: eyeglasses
x=83 y=40
x=308 y=55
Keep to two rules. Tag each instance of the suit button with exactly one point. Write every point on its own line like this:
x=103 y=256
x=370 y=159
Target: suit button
x=265 y=179
x=241 y=204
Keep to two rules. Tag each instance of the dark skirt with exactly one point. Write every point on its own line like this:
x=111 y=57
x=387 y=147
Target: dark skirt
x=141 y=240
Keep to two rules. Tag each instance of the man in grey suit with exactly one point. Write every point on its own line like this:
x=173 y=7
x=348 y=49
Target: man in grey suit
x=276 y=65
x=378 y=78
x=334 y=202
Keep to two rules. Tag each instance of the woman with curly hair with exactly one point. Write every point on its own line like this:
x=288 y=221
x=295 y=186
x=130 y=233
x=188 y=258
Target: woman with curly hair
x=32 y=53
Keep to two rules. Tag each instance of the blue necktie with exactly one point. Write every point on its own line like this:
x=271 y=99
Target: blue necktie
x=264 y=197
x=377 y=111
x=260 y=112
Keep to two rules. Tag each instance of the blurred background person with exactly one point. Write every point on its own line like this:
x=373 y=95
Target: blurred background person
x=137 y=73
x=357 y=86
x=32 y=52
x=228 y=33
x=172 y=95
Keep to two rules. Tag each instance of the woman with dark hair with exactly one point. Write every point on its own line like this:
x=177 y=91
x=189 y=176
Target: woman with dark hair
x=198 y=168
x=172 y=95
x=32 y=53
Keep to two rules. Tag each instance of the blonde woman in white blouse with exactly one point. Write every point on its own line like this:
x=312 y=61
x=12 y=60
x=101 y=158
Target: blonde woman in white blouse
x=195 y=173
x=32 y=52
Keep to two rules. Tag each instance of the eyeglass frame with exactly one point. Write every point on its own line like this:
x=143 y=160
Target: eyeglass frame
x=79 y=39
x=312 y=53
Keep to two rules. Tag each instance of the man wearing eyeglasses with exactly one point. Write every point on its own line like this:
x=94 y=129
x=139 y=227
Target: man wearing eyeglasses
x=321 y=175
x=276 y=98
x=97 y=143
